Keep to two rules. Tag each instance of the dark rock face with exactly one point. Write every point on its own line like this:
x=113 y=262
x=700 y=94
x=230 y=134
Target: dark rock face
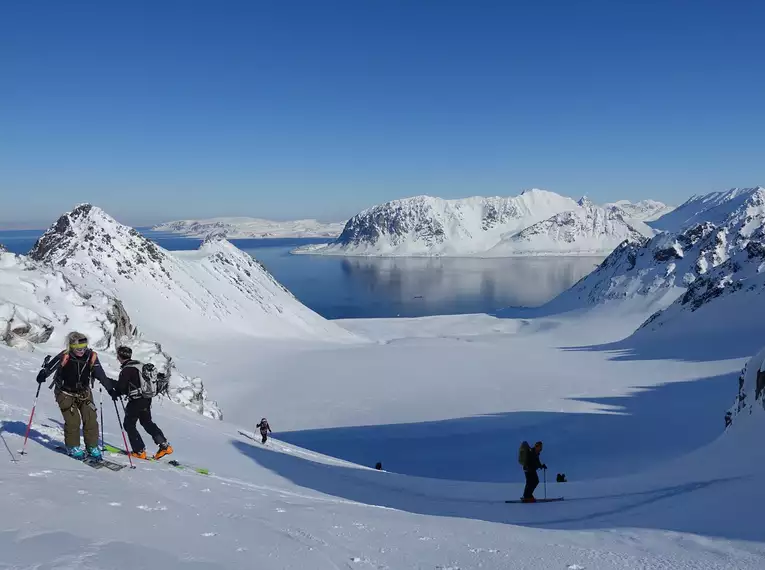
x=395 y=222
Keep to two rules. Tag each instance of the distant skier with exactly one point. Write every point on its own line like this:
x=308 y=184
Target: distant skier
x=76 y=369
x=138 y=408
x=528 y=457
x=264 y=429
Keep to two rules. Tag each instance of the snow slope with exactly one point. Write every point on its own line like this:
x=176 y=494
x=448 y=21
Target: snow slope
x=714 y=207
x=282 y=506
x=39 y=306
x=536 y=222
x=585 y=230
x=717 y=253
x=243 y=227
x=216 y=290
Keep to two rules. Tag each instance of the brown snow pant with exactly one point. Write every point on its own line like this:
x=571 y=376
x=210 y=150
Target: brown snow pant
x=76 y=408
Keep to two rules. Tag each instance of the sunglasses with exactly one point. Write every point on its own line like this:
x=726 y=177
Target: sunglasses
x=82 y=345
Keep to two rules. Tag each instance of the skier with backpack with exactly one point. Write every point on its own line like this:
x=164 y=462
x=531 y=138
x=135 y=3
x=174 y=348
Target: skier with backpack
x=140 y=383
x=264 y=429
x=528 y=457
x=76 y=368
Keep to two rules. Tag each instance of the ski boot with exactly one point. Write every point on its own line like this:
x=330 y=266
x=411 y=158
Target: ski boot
x=95 y=454
x=164 y=449
x=138 y=454
x=76 y=452
x=528 y=500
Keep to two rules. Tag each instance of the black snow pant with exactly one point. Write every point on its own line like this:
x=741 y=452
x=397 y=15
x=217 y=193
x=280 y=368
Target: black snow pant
x=264 y=435
x=140 y=410
x=532 y=480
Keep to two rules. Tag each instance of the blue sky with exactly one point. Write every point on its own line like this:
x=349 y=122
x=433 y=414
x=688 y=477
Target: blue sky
x=162 y=110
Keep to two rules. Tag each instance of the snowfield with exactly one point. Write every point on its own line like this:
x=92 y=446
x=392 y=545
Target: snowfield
x=633 y=415
x=536 y=222
x=242 y=228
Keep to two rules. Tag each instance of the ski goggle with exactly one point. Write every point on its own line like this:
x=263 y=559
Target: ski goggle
x=82 y=344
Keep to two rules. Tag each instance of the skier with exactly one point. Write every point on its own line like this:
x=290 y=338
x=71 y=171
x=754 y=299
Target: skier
x=138 y=407
x=530 y=466
x=264 y=429
x=76 y=369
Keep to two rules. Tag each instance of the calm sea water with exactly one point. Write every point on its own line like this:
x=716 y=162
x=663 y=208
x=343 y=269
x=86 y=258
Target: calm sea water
x=340 y=287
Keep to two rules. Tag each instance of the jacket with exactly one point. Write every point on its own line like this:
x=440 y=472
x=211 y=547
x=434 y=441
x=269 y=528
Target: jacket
x=532 y=461
x=78 y=376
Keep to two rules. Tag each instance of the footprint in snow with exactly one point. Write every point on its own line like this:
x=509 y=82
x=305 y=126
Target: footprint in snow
x=81 y=492
x=575 y=567
x=40 y=473
x=209 y=533
x=206 y=490
x=280 y=511
x=115 y=504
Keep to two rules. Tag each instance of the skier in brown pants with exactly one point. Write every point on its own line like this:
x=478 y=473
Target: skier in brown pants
x=75 y=369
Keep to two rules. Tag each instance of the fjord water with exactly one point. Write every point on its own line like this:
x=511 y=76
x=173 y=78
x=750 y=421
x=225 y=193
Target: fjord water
x=362 y=287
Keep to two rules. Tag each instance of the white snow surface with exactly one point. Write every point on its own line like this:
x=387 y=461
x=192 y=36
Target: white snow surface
x=536 y=222
x=636 y=497
x=243 y=227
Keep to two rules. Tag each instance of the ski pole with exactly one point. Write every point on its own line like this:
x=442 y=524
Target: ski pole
x=101 y=405
x=29 y=425
x=545 y=472
x=124 y=439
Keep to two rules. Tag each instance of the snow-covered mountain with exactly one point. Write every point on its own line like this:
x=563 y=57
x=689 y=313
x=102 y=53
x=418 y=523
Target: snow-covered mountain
x=718 y=252
x=217 y=288
x=535 y=222
x=585 y=230
x=39 y=305
x=243 y=227
x=644 y=210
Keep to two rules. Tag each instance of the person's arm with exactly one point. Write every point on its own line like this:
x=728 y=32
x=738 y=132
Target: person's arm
x=49 y=366
x=99 y=374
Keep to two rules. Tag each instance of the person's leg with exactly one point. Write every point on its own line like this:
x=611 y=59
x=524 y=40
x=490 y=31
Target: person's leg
x=148 y=423
x=132 y=411
x=71 y=419
x=89 y=414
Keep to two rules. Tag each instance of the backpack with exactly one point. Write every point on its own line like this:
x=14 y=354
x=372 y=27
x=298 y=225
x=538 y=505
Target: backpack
x=153 y=383
x=523 y=453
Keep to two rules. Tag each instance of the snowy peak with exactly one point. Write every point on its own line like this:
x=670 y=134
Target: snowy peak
x=90 y=242
x=716 y=207
x=585 y=230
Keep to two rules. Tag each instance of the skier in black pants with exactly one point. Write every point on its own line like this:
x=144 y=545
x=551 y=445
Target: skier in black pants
x=138 y=407
x=530 y=469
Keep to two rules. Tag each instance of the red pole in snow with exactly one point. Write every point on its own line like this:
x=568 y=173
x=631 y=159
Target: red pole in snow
x=127 y=450
x=29 y=425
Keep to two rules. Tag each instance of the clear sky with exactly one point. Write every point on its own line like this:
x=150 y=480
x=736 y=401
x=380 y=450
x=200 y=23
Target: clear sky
x=319 y=108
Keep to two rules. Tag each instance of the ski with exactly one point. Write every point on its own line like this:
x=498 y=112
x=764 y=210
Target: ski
x=172 y=462
x=552 y=500
x=92 y=462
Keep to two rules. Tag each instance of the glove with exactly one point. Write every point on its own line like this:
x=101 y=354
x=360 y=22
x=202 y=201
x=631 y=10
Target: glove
x=113 y=393
x=41 y=376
